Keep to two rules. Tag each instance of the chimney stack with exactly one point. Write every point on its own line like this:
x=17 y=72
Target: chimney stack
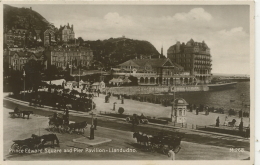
x=162 y=50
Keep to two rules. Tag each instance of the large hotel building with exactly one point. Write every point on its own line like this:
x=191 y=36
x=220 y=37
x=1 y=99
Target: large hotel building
x=75 y=56
x=194 y=57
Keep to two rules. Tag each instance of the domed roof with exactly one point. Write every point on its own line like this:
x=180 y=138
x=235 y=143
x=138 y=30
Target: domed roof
x=180 y=102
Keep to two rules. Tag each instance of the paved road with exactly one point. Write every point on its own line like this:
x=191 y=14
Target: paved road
x=200 y=148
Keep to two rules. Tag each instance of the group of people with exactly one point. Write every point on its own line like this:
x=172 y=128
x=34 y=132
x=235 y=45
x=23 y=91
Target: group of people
x=245 y=133
x=66 y=121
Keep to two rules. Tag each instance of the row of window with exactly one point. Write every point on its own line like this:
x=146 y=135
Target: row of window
x=70 y=59
x=182 y=55
x=183 y=60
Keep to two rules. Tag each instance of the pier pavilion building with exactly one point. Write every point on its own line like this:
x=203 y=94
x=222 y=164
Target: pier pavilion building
x=194 y=57
x=154 y=72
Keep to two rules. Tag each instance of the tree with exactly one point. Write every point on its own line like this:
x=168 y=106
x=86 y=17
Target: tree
x=51 y=71
x=80 y=40
x=16 y=82
x=33 y=74
x=134 y=81
x=121 y=110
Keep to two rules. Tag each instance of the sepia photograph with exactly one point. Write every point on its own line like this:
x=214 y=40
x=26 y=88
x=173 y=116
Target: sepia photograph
x=134 y=81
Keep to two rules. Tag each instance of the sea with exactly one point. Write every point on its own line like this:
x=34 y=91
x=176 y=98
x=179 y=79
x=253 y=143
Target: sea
x=226 y=98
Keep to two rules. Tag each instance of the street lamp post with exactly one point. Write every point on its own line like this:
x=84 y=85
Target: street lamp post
x=173 y=105
x=24 y=84
x=242 y=96
x=92 y=114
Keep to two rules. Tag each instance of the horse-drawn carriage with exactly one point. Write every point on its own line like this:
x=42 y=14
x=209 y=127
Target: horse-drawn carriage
x=19 y=114
x=162 y=143
x=61 y=124
x=22 y=146
x=137 y=119
x=33 y=143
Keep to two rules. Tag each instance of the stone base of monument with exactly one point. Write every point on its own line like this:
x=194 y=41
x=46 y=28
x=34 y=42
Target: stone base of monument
x=97 y=140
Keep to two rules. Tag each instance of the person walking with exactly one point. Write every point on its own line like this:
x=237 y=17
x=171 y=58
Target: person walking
x=197 y=110
x=171 y=154
x=98 y=92
x=122 y=99
x=16 y=109
x=95 y=123
x=217 y=122
x=226 y=121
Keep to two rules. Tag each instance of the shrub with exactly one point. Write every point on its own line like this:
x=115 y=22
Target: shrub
x=121 y=110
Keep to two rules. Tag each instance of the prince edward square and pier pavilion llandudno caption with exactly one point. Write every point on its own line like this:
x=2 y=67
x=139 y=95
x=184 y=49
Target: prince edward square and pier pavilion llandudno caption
x=167 y=81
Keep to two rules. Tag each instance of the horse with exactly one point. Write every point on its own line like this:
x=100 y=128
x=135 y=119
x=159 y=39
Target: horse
x=27 y=113
x=232 y=123
x=46 y=138
x=107 y=99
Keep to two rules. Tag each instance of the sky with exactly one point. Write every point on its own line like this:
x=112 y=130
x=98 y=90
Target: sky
x=224 y=28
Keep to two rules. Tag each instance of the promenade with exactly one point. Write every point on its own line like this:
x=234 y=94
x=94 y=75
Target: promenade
x=159 y=111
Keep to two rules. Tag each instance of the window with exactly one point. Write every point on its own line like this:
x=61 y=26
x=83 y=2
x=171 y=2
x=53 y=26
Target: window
x=180 y=112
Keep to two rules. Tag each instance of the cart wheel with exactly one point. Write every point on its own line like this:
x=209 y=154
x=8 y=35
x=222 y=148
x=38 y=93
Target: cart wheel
x=15 y=146
x=62 y=130
x=152 y=148
x=24 y=147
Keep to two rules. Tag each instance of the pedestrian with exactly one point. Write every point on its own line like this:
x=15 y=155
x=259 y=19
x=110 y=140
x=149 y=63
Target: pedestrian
x=217 y=122
x=98 y=92
x=95 y=123
x=197 y=110
x=16 y=109
x=122 y=100
x=240 y=127
x=133 y=124
x=191 y=107
x=206 y=111
x=226 y=121
x=247 y=134
x=171 y=154
x=91 y=137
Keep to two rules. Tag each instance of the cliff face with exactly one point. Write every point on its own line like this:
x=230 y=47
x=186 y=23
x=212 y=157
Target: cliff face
x=24 y=18
x=117 y=50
